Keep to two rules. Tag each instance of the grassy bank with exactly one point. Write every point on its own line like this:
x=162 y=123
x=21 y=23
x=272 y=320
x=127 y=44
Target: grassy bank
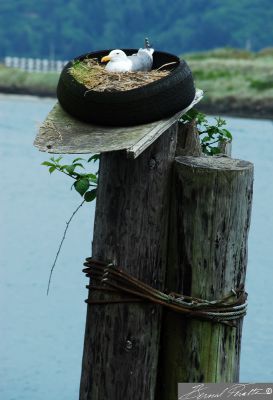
x=235 y=82
x=13 y=80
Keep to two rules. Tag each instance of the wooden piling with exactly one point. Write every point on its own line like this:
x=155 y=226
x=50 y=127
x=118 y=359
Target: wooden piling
x=131 y=225
x=207 y=257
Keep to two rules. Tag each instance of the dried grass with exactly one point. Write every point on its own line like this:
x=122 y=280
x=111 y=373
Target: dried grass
x=94 y=77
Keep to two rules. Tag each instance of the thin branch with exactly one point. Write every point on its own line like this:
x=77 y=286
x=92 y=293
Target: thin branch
x=66 y=173
x=215 y=141
x=60 y=246
x=165 y=65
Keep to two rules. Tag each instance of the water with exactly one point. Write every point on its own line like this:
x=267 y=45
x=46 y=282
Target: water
x=42 y=337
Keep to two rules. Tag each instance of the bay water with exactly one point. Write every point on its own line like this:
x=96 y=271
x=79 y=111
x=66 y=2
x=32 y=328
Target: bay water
x=41 y=337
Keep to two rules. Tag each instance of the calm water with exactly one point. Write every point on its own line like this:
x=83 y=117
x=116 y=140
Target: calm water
x=41 y=337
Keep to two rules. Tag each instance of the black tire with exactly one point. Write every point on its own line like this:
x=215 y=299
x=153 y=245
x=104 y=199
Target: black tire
x=148 y=103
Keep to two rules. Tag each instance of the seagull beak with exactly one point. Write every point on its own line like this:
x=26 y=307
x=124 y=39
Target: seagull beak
x=105 y=59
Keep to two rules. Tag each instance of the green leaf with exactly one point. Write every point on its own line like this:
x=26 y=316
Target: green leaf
x=78 y=165
x=90 y=195
x=52 y=169
x=205 y=139
x=91 y=177
x=77 y=159
x=214 y=150
x=201 y=119
x=94 y=158
x=48 y=164
x=94 y=180
x=220 y=121
x=70 y=168
x=81 y=185
x=227 y=134
x=211 y=130
x=55 y=160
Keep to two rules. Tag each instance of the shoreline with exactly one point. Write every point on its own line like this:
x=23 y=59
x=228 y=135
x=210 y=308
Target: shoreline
x=228 y=106
x=258 y=109
x=28 y=92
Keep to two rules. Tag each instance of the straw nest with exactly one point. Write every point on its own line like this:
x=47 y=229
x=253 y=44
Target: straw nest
x=94 y=76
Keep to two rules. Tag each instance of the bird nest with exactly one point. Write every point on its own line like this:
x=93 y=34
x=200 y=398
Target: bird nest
x=94 y=76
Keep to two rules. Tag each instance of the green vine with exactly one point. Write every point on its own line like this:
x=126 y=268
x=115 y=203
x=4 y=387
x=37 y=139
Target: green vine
x=84 y=183
x=210 y=134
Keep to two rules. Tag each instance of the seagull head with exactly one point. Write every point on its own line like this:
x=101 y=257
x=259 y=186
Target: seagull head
x=114 y=55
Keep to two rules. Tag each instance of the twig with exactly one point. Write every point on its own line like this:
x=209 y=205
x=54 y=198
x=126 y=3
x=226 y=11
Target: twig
x=165 y=65
x=60 y=246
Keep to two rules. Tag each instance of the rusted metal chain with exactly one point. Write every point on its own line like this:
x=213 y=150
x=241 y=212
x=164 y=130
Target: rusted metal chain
x=109 y=278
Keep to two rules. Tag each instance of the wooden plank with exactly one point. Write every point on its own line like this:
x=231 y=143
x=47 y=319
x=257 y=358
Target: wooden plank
x=150 y=137
x=61 y=133
x=207 y=258
x=131 y=225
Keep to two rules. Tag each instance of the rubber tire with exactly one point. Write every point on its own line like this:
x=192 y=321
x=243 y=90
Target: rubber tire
x=148 y=103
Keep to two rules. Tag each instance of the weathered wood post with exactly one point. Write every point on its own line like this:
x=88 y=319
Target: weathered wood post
x=207 y=258
x=131 y=224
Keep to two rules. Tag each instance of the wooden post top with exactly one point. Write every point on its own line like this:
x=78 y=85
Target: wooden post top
x=62 y=134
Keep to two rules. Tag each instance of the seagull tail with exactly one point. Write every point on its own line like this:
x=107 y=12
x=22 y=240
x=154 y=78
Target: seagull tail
x=147 y=46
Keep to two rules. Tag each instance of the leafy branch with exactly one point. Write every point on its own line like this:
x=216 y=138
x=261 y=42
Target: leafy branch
x=210 y=134
x=83 y=181
x=85 y=184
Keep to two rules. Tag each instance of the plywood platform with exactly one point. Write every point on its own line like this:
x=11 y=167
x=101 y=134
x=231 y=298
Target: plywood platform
x=62 y=134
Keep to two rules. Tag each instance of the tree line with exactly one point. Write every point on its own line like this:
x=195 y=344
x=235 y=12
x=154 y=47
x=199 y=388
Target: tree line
x=63 y=29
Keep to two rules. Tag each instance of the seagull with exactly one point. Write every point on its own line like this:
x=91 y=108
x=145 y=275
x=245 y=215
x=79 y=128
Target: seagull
x=118 y=61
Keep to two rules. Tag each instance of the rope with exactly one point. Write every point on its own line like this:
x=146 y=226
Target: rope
x=109 y=278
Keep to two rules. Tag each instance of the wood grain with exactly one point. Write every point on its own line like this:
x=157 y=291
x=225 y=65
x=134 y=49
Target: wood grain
x=131 y=223
x=207 y=257
x=188 y=141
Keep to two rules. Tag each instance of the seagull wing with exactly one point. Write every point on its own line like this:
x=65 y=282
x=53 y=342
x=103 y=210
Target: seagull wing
x=142 y=60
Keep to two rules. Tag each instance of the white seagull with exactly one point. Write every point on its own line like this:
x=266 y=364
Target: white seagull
x=118 y=61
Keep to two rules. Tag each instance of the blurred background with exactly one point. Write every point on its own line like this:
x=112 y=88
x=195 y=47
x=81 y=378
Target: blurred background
x=56 y=28
x=229 y=47
x=227 y=43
